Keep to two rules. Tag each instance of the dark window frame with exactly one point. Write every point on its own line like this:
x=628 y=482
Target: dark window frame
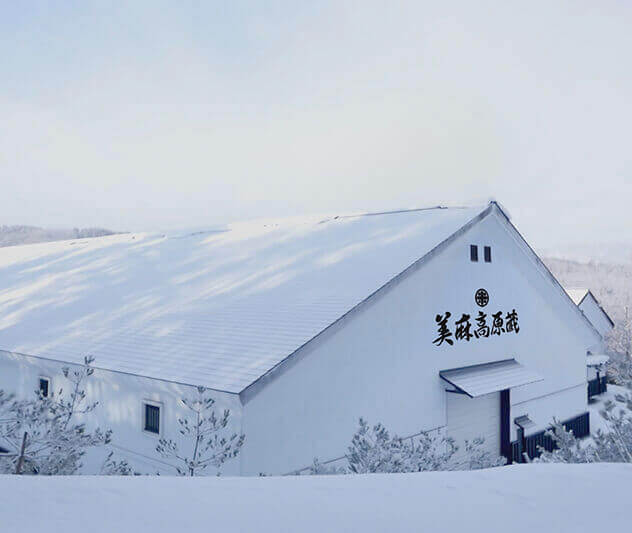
x=41 y=380
x=474 y=253
x=152 y=413
x=487 y=253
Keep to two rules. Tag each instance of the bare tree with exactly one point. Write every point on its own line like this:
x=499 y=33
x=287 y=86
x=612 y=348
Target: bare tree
x=620 y=346
x=620 y=338
x=43 y=435
x=205 y=431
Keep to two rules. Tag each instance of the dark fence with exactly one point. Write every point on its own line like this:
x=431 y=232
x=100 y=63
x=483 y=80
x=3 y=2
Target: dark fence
x=597 y=386
x=580 y=426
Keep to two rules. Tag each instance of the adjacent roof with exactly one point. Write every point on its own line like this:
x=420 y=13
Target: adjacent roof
x=218 y=308
x=577 y=295
x=478 y=380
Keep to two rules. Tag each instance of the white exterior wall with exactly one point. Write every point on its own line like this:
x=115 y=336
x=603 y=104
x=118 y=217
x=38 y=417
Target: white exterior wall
x=563 y=404
x=381 y=363
x=590 y=307
x=120 y=408
x=466 y=416
x=594 y=313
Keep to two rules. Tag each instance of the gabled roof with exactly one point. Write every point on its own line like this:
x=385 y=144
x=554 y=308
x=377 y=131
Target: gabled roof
x=578 y=295
x=218 y=308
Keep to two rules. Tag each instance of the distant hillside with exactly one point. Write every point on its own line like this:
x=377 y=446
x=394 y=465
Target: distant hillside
x=12 y=235
x=610 y=283
x=613 y=253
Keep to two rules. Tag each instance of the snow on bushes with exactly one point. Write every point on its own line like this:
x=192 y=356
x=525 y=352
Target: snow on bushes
x=374 y=450
x=614 y=446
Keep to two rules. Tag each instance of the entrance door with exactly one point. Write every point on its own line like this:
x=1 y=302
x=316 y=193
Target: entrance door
x=469 y=418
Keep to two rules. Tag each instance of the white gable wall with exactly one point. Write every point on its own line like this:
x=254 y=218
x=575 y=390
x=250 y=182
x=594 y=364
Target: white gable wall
x=381 y=363
x=120 y=408
x=593 y=311
x=595 y=314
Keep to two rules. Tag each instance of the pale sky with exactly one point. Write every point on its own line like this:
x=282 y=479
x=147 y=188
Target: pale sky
x=154 y=115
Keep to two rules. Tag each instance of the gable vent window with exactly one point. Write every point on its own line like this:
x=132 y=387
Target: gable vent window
x=473 y=253
x=487 y=251
x=44 y=387
x=152 y=419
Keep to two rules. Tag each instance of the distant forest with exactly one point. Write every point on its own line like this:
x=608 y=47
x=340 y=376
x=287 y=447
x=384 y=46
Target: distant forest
x=12 y=235
x=611 y=283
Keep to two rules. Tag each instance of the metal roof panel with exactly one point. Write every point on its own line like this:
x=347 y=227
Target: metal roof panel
x=478 y=380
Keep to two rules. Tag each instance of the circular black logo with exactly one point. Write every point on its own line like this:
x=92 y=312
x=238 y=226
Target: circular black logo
x=481 y=297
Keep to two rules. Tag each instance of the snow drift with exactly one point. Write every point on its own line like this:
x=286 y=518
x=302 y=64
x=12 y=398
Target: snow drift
x=519 y=498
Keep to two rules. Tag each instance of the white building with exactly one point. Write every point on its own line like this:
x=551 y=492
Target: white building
x=301 y=327
x=597 y=359
x=590 y=306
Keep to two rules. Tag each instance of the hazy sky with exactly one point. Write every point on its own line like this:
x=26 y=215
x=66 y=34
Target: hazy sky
x=139 y=115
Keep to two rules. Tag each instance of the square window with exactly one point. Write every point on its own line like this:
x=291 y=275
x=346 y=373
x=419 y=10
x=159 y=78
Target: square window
x=473 y=252
x=488 y=254
x=152 y=419
x=44 y=387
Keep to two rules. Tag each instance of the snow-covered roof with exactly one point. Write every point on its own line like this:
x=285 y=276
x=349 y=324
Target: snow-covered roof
x=218 y=308
x=577 y=295
x=597 y=360
x=478 y=380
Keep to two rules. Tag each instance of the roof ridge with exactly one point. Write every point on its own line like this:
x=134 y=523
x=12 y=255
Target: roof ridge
x=404 y=210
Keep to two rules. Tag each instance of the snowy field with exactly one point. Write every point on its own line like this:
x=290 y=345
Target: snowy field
x=520 y=498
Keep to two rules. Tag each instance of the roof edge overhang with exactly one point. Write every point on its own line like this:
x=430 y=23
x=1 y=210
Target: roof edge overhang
x=105 y=369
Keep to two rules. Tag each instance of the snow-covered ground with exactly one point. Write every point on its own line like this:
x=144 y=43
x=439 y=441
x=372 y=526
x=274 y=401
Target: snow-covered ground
x=542 y=497
x=519 y=498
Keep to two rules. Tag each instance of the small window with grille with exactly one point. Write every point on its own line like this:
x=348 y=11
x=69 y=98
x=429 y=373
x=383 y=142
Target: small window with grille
x=44 y=387
x=487 y=252
x=474 y=253
x=151 y=422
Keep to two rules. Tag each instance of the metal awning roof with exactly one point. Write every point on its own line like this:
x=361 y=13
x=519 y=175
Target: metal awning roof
x=478 y=380
x=597 y=360
x=524 y=422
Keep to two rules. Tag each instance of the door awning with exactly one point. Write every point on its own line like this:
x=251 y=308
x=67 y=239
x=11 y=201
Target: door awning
x=596 y=360
x=524 y=422
x=478 y=380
